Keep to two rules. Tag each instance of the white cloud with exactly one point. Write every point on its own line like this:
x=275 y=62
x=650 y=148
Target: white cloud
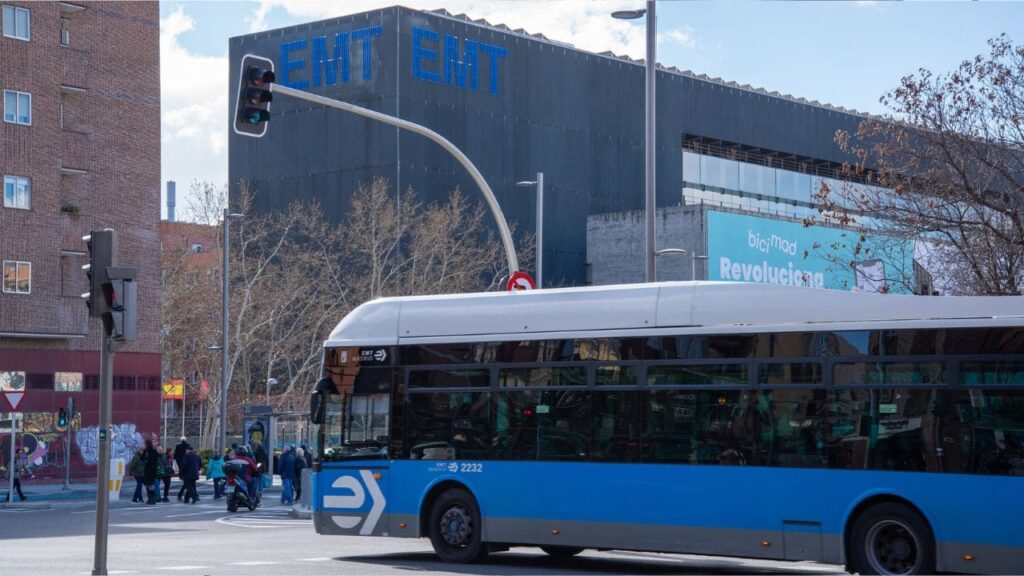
x=194 y=100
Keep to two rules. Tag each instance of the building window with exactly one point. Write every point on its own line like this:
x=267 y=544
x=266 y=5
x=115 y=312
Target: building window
x=17 y=192
x=17 y=23
x=17 y=107
x=12 y=380
x=17 y=277
x=67 y=382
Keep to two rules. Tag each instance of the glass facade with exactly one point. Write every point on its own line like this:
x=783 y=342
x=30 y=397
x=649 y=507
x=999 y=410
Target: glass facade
x=715 y=181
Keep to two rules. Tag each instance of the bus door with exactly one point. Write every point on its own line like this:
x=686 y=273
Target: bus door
x=352 y=404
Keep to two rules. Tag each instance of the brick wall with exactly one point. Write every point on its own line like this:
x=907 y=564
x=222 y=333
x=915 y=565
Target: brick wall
x=93 y=155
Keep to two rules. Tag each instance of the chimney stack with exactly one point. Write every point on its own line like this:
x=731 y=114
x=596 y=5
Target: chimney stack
x=170 y=200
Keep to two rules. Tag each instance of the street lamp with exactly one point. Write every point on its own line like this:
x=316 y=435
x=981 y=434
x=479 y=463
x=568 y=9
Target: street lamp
x=224 y=378
x=693 y=265
x=670 y=252
x=270 y=382
x=650 y=66
x=539 y=183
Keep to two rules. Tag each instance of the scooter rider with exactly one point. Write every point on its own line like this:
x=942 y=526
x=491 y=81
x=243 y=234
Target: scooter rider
x=251 y=473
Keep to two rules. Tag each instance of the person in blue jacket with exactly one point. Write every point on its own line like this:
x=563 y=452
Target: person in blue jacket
x=288 y=475
x=215 y=472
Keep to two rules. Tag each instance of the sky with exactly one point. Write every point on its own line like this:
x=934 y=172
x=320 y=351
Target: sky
x=842 y=53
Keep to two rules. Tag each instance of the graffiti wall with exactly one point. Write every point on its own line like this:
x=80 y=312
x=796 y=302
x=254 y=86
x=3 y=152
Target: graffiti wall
x=42 y=445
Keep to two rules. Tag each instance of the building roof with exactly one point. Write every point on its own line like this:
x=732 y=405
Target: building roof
x=669 y=69
x=676 y=307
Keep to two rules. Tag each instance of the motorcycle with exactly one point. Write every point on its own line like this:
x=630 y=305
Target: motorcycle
x=238 y=490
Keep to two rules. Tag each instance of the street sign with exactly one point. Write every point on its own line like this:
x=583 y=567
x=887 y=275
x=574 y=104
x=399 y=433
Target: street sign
x=520 y=281
x=174 y=389
x=14 y=398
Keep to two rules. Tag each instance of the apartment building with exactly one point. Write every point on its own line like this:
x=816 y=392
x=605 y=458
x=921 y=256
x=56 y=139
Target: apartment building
x=80 y=142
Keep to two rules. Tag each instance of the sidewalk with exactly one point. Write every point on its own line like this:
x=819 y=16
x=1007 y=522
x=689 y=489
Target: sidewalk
x=52 y=495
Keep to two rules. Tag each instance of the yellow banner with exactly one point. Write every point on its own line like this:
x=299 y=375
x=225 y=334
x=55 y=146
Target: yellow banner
x=174 y=390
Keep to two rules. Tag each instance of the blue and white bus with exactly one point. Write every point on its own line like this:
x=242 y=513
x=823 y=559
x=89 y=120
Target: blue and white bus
x=885 y=433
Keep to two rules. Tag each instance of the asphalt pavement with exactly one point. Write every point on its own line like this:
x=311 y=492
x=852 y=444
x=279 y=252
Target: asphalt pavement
x=45 y=535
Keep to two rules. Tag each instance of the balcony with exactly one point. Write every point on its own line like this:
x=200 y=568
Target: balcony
x=77 y=66
x=74 y=153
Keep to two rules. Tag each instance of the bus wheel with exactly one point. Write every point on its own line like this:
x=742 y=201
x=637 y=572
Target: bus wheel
x=891 y=538
x=561 y=551
x=455 y=528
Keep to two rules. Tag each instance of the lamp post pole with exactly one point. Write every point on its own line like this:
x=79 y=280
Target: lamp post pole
x=651 y=68
x=693 y=265
x=224 y=377
x=539 y=183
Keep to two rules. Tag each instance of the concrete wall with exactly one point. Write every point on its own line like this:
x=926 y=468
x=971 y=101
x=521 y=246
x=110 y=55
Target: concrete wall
x=615 y=245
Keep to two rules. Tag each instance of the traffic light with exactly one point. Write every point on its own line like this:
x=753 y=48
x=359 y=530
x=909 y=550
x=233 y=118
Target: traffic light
x=102 y=247
x=62 y=418
x=252 y=109
x=119 y=294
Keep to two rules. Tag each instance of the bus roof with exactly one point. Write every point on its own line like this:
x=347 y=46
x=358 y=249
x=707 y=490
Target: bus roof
x=638 y=308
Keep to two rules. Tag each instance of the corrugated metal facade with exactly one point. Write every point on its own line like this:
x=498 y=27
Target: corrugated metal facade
x=536 y=106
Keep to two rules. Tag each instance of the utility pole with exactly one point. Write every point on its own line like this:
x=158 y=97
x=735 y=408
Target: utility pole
x=111 y=297
x=67 y=444
x=14 y=453
x=99 y=567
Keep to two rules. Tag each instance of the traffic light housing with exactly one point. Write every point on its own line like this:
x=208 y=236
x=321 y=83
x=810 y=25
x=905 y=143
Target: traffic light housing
x=102 y=248
x=120 y=295
x=252 y=108
x=62 y=418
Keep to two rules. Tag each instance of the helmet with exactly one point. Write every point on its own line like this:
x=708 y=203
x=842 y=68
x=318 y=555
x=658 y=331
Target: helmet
x=242 y=450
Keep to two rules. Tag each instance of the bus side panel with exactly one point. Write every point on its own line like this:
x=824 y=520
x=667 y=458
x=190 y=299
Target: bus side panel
x=352 y=499
x=719 y=510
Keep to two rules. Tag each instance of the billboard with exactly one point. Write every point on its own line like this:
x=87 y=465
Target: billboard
x=745 y=248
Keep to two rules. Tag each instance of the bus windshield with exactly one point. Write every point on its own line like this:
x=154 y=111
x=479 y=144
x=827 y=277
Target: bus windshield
x=356 y=412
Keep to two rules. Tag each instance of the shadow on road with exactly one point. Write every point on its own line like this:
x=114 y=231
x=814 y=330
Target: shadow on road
x=507 y=563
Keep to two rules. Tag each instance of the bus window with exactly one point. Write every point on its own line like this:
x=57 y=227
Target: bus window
x=697 y=375
x=444 y=426
x=992 y=373
x=697 y=427
x=885 y=373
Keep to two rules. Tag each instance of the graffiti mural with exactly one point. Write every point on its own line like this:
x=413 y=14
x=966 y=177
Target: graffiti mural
x=125 y=440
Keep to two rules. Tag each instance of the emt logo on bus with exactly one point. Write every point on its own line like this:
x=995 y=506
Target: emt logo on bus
x=445 y=60
x=353 y=497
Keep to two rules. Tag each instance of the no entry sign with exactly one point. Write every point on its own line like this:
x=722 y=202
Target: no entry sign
x=520 y=281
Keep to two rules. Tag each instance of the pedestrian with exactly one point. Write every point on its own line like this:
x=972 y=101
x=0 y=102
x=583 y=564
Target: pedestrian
x=215 y=472
x=170 y=468
x=300 y=464
x=308 y=455
x=260 y=456
x=179 y=457
x=18 y=469
x=287 y=463
x=151 y=470
x=191 y=463
x=137 y=468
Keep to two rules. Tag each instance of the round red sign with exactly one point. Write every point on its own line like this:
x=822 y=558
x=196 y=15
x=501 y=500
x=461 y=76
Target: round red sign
x=520 y=281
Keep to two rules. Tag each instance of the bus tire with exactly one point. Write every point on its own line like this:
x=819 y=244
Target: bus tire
x=891 y=538
x=561 y=551
x=455 y=528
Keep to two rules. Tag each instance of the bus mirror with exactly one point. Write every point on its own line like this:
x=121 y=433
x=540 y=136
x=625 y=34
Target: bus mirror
x=316 y=408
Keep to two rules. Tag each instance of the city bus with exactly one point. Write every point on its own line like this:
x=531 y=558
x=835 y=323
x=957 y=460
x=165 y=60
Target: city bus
x=882 y=432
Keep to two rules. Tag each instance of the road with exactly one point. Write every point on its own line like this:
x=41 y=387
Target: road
x=203 y=539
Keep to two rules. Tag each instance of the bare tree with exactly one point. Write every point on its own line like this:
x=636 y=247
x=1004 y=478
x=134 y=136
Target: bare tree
x=945 y=168
x=294 y=276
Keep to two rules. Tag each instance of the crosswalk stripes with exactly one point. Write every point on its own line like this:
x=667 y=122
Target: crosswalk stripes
x=264 y=518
